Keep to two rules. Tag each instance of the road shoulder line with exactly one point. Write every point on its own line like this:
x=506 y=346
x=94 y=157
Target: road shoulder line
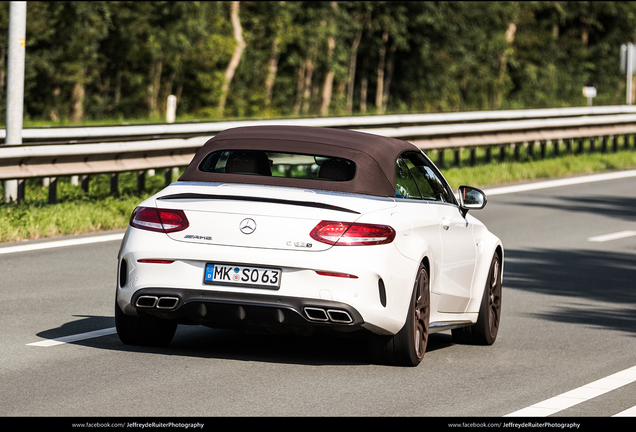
x=74 y=338
x=579 y=395
x=61 y=243
x=559 y=182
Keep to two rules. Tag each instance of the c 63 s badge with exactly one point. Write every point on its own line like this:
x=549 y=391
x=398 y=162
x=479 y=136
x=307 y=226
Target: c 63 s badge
x=299 y=244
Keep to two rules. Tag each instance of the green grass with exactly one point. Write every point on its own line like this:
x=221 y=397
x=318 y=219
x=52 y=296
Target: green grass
x=33 y=221
x=78 y=212
x=513 y=172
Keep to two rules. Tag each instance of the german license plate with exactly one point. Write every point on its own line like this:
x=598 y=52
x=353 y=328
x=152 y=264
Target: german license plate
x=243 y=276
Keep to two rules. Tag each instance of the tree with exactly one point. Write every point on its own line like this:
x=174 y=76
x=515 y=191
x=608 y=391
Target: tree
x=121 y=59
x=236 y=57
x=68 y=34
x=390 y=21
x=358 y=14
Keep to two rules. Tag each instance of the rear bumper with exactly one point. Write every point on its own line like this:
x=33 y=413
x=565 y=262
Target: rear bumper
x=232 y=310
x=377 y=299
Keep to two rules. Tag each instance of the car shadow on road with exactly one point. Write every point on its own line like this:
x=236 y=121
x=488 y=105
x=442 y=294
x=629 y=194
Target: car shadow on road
x=82 y=324
x=198 y=341
x=601 y=285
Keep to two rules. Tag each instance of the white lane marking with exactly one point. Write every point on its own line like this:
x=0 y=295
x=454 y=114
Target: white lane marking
x=560 y=182
x=61 y=243
x=74 y=338
x=629 y=412
x=576 y=396
x=612 y=236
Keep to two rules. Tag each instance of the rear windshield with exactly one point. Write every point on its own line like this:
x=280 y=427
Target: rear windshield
x=278 y=164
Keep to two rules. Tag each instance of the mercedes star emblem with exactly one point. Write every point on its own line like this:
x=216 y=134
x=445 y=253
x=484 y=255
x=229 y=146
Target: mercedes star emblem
x=247 y=226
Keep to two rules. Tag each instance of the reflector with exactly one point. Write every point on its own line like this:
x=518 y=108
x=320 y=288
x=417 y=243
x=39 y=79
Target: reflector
x=342 y=275
x=155 y=261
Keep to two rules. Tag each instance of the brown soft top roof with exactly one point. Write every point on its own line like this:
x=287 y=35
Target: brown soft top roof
x=374 y=156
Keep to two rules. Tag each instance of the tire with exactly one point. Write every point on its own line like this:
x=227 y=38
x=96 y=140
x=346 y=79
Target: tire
x=484 y=331
x=145 y=331
x=407 y=347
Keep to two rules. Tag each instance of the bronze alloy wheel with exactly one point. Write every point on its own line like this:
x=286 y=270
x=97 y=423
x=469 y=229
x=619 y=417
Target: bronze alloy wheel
x=407 y=347
x=421 y=314
x=494 y=299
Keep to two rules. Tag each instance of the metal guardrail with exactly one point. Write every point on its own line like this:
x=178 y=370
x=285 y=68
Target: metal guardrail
x=173 y=145
x=85 y=134
x=24 y=161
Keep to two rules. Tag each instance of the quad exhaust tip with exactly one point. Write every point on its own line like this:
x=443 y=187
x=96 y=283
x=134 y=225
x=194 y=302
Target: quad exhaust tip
x=328 y=315
x=152 y=302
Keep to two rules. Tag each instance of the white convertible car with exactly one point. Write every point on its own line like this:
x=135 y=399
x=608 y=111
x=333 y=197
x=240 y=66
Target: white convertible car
x=301 y=228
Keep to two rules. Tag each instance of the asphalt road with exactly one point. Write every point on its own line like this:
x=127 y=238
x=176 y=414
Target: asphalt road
x=566 y=347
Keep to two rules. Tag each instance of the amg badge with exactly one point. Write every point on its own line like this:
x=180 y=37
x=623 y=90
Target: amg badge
x=197 y=237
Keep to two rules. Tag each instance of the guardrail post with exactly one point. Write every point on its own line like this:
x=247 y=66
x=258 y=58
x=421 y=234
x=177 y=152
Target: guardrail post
x=473 y=156
x=615 y=143
x=84 y=184
x=52 y=190
x=568 y=145
x=114 y=184
x=555 y=144
x=543 y=145
x=167 y=175
x=531 y=149
x=517 y=151
x=580 y=146
x=458 y=161
x=141 y=181
x=440 y=158
x=488 y=154
x=502 y=153
x=21 y=189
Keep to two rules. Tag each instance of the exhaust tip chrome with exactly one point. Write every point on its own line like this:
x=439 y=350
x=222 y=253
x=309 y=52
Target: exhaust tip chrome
x=332 y=315
x=147 y=301
x=152 y=302
x=339 y=316
x=316 y=314
x=167 y=302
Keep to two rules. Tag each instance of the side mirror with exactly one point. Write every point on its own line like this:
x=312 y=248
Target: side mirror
x=471 y=198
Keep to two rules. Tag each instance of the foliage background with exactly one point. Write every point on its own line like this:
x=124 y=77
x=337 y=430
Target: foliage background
x=119 y=60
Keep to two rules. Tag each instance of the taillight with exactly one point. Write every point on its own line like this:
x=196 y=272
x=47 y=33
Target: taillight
x=352 y=234
x=159 y=220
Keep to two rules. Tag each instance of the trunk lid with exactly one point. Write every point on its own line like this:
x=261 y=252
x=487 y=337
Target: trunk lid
x=261 y=216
